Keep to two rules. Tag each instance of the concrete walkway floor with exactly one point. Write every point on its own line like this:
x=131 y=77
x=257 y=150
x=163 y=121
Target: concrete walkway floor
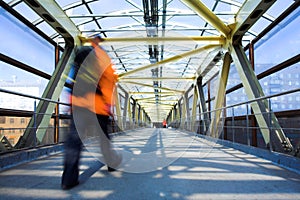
x=204 y=170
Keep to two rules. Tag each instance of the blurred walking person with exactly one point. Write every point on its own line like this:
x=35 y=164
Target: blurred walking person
x=92 y=100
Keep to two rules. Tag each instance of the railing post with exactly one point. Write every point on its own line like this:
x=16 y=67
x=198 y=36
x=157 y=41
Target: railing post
x=247 y=124
x=270 y=125
x=232 y=125
x=215 y=125
x=222 y=123
x=34 y=121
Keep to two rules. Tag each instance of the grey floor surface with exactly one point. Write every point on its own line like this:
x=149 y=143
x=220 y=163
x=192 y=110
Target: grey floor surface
x=196 y=169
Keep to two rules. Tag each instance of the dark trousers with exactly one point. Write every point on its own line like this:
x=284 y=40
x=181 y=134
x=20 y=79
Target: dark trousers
x=73 y=144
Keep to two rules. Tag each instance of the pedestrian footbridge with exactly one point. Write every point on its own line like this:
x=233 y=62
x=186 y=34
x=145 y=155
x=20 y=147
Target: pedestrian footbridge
x=210 y=69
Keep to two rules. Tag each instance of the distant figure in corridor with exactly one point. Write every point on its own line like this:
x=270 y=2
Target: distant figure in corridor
x=164 y=123
x=91 y=100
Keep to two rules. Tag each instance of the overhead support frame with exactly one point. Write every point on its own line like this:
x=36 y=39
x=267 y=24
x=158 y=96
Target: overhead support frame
x=168 y=60
x=157 y=78
x=118 y=109
x=248 y=14
x=220 y=96
x=208 y=16
x=151 y=86
x=218 y=40
x=204 y=111
x=264 y=116
x=51 y=12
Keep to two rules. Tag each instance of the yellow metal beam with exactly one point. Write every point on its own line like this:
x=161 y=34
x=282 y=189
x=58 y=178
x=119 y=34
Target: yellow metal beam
x=157 y=78
x=54 y=15
x=170 y=93
x=152 y=99
x=172 y=59
x=161 y=106
x=160 y=101
x=151 y=86
x=208 y=16
x=247 y=16
x=154 y=40
x=219 y=99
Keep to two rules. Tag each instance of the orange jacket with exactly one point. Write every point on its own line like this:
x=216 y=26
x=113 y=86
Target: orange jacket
x=95 y=102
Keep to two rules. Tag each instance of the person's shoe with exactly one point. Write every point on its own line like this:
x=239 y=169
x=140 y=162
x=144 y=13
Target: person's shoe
x=68 y=187
x=110 y=169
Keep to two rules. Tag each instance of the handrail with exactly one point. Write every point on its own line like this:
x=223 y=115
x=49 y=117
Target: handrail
x=256 y=99
x=230 y=106
x=33 y=97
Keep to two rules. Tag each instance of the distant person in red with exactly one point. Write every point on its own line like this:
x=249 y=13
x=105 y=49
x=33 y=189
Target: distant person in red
x=164 y=123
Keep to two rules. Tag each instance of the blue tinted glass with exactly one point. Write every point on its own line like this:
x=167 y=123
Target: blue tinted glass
x=279 y=45
x=21 y=43
x=233 y=77
x=16 y=80
x=205 y=91
x=282 y=81
x=235 y=97
x=65 y=98
x=214 y=86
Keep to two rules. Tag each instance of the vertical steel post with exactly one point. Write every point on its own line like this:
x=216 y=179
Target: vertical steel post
x=56 y=118
x=247 y=124
x=34 y=123
x=270 y=125
x=232 y=125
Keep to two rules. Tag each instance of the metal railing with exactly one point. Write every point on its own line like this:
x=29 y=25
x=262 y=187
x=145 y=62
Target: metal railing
x=244 y=128
x=9 y=132
x=239 y=129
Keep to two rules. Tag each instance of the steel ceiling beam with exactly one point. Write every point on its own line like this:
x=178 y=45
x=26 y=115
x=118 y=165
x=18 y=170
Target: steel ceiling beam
x=151 y=86
x=143 y=30
x=247 y=16
x=208 y=16
x=51 y=12
x=154 y=40
x=172 y=59
x=157 y=78
x=169 y=93
x=169 y=14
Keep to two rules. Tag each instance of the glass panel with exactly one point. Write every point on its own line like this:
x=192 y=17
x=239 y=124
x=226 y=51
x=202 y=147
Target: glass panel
x=64 y=129
x=279 y=7
x=235 y=97
x=14 y=79
x=21 y=43
x=105 y=6
x=49 y=134
x=64 y=3
x=260 y=25
x=284 y=80
x=27 y=12
x=185 y=21
x=46 y=28
x=214 y=87
x=13 y=128
x=233 y=77
x=65 y=98
x=226 y=8
x=191 y=99
x=115 y=22
x=278 y=45
x=205 y=91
